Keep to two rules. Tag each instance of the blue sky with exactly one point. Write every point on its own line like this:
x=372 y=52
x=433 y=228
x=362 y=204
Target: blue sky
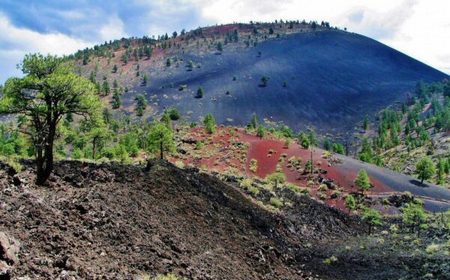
x=419 y=28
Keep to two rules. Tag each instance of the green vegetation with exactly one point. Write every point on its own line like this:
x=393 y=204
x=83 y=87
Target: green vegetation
x=160 y=139
x=350 y=202
x=253 y=165
x=425 y=169
x=372 y=217
x=276 y=202
x=362 y=181
x=200 y=93
x=173 y=114
x=210 y=123
x=263 y=82
x=261 y=131
x=413 y=132
x=414 y=215
x=47 y=93
x=141 y=104
x=276 y=178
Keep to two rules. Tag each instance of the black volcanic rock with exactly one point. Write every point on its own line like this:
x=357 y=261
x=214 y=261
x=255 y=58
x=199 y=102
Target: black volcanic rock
x=328 y=79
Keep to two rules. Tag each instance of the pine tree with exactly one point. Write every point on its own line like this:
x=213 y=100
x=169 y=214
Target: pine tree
x=362 y=181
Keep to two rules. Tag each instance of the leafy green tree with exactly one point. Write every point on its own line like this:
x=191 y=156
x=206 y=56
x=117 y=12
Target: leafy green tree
x=425 y=169
x=261 y=131
x=413 y=215
x=366 y=123
x=327 y=145
x=339 y=148
x=200 y=93
x=366 y=153
x=210 y=123
x=372 y=217
x=48 y=91
x=105 y=87
x=174 y=114
x=362 y=180
x=165 y=119
x=304 y=140
x=160 y=139
x=219 y=47
x=440 y=167
x=148 y=52
x=144 y=80
x=96 y=130
x=141 y=104
x=116 y=102
x=350 y=202
x=447 y=89
x=276 y=178
x=253 y=122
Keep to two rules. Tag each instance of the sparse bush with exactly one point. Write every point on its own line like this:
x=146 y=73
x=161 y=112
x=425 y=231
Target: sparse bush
x=276 y=178
x=199 y=145
x=246 y=183
x=323 y=188
x=210 y=123
x=432 y=249
x=330 y=260
x=200 y=93
x=276 y=202
x=253 y=165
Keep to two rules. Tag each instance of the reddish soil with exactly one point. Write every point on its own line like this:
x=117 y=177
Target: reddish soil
x=230 y=150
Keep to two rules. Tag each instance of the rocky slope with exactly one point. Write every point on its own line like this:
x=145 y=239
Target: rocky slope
x=322 y=77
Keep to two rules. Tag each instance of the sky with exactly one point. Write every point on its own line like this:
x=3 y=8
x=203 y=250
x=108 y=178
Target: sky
x=419 y=28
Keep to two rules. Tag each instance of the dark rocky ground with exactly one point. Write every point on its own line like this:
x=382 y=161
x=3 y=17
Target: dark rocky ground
x=327 y=79
x=115 y=221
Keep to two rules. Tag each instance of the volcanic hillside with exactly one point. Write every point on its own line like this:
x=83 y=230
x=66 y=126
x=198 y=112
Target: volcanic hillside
x=114 y=221
x=314 y=74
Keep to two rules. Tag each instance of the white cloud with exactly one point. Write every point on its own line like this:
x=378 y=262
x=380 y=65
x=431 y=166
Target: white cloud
x=16 y=42
x=419 y=28
x=113 y=29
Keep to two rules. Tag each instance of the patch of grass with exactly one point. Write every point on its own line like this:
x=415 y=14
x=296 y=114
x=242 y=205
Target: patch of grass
x=246 y=183
x=179 y=164
x=276 y=202
x=13 y=162
x=253 y=165
x=330 y=260
x=323 y=188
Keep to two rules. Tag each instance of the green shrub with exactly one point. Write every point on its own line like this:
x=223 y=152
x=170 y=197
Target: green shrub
x=330 y=260
x=253 y=165
x=276 y=202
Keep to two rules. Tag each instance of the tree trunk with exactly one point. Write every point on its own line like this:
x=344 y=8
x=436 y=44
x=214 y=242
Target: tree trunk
x=45 y=162
x=421 y=181
x=94 y=145
x=161 y=150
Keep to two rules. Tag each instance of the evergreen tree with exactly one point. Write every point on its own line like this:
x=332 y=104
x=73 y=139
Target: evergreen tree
x=116 y=102
x=200 y=93
x=210 y=123
x=253 y=122
x=160 y=139
x=425 y=169
x=105 y=87
x=362 y=181
x=48 y=91
x=350 y=202
x=414 y=215
x=141 y=105
x=372 y=217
